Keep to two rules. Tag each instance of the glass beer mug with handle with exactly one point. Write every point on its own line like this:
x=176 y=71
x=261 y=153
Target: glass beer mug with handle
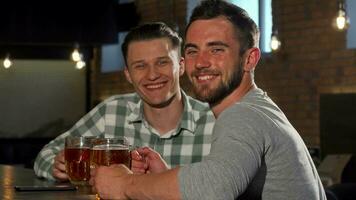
x=77 y=159
x=108 y=151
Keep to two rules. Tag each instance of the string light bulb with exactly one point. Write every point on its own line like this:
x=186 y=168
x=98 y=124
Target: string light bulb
x=80 y=64
x=76 y=55
x=341 y=20
x=275 y=42
x=7 y=62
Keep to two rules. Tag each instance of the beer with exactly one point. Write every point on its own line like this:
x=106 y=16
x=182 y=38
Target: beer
x=77 y=164
x=106 y=155
x=77 y=159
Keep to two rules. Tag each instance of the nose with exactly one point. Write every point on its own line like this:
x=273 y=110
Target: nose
x=202 y=60
x=152 y=73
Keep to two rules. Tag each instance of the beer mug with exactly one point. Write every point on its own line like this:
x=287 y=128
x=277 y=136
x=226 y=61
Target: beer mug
x=77 y=159
x=108 y=151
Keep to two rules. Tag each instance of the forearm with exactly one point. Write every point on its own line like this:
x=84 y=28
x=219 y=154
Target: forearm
x=154 y=186
x=43 y=164
x=45 y=158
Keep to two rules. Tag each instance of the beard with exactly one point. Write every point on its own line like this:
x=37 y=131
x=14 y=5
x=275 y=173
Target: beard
x=216 y=95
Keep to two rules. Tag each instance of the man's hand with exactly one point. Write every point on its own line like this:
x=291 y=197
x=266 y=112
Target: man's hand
x=138 y=163
x=110 y=182
x=59 y=168
x=146 y=160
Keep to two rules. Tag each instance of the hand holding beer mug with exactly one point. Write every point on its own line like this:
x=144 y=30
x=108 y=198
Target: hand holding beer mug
x=108 y=151
x=77 y=159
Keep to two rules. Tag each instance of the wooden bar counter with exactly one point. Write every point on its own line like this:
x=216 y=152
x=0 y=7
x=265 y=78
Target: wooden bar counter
x=11 y=176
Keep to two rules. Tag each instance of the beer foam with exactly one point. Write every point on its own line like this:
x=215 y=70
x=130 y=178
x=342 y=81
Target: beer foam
x=110 y=147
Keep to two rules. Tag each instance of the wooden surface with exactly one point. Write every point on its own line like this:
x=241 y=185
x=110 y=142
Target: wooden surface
x=11 y=176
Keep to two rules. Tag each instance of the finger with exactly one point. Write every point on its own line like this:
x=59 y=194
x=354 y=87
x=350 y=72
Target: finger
x=59 y=166
x=135 y=155
x=59 y=175
x=148 y=152
x=138 y=164
x=144 y=150
x=138 y=170
x=126 y=170
x=61 y=156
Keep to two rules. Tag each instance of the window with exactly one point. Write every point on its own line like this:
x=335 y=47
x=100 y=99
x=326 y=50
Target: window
x=111 y=55
x=351 y=32
x=259 y=10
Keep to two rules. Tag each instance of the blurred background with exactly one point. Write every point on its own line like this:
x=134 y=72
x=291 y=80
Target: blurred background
x=59 y=59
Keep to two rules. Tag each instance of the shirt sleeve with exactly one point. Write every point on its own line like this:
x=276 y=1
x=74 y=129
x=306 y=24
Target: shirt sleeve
x=233 y=161
x=91 y=124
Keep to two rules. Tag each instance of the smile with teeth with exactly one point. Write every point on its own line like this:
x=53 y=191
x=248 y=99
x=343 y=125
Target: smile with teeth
x=154 y=86
x=205 y=77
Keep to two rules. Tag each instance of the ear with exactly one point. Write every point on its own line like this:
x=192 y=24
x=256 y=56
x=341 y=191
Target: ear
x=253 y=55
x=181 y=66
x=127 y=74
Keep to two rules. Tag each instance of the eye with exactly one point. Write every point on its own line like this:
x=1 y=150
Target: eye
x=217 y=50
x=139 y=66
x=162 y=62
x=190 y=52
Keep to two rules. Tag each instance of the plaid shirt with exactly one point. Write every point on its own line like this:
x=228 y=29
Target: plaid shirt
x=122 y=115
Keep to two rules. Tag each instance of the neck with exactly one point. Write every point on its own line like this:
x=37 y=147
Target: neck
x=246 y=85
x=166 y=118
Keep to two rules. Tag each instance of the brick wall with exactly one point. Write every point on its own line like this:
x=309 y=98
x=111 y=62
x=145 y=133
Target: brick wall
x=313 y=59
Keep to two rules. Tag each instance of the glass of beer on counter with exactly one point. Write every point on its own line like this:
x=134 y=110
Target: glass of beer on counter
x=108 y=151
x=77 y=159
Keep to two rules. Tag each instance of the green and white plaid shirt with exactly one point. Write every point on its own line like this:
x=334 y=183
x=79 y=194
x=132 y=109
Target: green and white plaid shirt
x=122 y=115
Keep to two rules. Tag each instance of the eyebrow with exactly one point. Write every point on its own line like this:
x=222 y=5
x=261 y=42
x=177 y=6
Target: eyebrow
x=142 y=61
x=213 y=43
x=163 y=57
x=190 y=45
x=217 y=43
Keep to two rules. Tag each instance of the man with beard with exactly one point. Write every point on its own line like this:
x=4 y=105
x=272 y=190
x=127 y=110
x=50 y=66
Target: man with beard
x=158 y=115
x=256 y=153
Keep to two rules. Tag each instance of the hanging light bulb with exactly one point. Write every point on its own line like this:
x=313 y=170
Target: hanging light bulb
x=275 y=42
x=341 y=20
x=76 y=55
x=7 y=62
x=80 y=64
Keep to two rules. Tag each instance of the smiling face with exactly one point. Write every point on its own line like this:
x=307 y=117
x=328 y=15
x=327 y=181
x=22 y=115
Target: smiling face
x=212 y=59
x=154 y=68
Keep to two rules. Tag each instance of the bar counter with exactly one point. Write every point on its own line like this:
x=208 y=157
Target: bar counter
x=11 y=176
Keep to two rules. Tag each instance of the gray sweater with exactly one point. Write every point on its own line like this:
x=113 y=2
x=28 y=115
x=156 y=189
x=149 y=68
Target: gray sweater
x=256 y=154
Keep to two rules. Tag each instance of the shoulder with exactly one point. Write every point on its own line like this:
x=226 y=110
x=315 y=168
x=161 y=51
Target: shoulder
x=256 y=108
x=197 y=105
x=201 y=111
x=117 y=101
x=238 y=114
x=122 y=98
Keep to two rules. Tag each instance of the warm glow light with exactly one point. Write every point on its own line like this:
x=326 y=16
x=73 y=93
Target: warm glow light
x=76 y=56
x=80 y=64
x=341 y=20
x=7 y=63
x=275 y=43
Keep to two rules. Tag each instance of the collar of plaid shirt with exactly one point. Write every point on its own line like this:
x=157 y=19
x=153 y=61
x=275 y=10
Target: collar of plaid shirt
x=188 y=120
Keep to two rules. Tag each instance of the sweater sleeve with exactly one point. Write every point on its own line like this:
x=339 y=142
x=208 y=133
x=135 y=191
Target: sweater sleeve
x=233 y=161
